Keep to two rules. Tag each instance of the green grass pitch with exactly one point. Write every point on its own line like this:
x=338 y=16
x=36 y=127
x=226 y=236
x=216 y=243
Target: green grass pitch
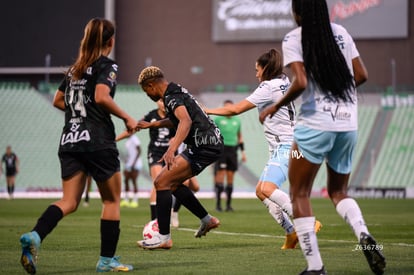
x=247 y=242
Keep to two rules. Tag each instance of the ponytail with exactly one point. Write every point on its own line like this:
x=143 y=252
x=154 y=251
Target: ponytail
x=271 y=62
x=97 y=34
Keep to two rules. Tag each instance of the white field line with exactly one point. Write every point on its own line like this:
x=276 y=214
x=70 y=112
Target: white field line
x=275 y=236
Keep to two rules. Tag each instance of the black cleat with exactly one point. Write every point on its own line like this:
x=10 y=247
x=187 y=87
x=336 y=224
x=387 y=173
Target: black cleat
x=373 y=254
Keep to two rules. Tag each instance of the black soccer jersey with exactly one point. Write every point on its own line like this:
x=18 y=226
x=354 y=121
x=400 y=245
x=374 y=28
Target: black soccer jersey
x=10 y=161
x=159 y=137
x=203 y=131
x=88 y=127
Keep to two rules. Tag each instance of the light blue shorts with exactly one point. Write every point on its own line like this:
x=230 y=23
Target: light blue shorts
x=276 y=169
x=336 y=147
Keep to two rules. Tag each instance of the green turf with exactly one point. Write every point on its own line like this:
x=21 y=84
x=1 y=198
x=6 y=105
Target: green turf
x=247 y=242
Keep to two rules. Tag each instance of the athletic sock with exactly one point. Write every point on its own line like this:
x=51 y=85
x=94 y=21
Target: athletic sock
x=153 y=209
x=282 y=199
x=49 y=219
x=279 y=216
x=219 y=188
x=187 y=198
x=305 y=230
x=229 y=192
x=135 y=197
x=9 y=190
x=349 y=210
x=164 y=202
x=109 y=237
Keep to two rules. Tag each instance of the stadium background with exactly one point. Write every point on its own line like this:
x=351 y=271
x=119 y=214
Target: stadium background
x=41 y=38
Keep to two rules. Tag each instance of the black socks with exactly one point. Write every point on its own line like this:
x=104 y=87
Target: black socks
x=48 y=221
x=109 y=237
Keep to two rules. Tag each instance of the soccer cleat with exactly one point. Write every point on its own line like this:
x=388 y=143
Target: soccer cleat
x=156 y=242
x=124 y=203
x=318 y=226
x=374 y=256
x=30 y=243
x=321 y=271
x=206 y=227
x=133 y=204
x=107 y=264
x=291 y=241
x=174 y=219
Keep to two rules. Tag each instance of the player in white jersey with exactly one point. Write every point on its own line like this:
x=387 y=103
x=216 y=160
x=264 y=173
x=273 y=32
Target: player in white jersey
x=133 y=165
x=326 y=69
x=278 y=131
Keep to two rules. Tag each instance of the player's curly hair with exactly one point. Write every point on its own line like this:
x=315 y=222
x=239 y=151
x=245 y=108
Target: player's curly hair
x=149 y=74
x=323 y=60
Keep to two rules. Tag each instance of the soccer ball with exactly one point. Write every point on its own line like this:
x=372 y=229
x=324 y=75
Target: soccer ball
x=150 y=230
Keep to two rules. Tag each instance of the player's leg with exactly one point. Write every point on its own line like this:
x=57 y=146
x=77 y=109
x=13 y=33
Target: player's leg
x=263 y=190
x=10 y=180
x=229 y=189
x=87 y=190
x=127 y=175
x=134 y=195
x=155 y=169
x=339 y=168
x=232 y=166
x=301 y=176
x=110 y=191
x=73 y=187
x=219 y=175
x=163 y=183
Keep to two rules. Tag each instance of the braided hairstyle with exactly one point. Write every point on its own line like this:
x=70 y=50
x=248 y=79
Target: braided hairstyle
x=271 y=62
x=323 y=60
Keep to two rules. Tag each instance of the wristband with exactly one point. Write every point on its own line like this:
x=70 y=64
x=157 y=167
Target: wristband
x=241 y=146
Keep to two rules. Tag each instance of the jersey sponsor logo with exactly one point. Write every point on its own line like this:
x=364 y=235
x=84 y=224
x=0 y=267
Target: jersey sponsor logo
x=334 y=108
x=75 y=137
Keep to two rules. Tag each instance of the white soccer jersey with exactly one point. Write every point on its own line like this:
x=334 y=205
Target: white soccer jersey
x=317 y=111
x=279 y=128
x=131 y=145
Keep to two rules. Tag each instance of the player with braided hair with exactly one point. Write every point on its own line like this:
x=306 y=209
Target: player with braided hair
x=326 y=68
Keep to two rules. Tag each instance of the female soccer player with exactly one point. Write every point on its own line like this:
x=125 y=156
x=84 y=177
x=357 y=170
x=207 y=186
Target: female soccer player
x=326 y=68
x=204 y=146
x=278 y=131
x=87 y=145
x=11 y=162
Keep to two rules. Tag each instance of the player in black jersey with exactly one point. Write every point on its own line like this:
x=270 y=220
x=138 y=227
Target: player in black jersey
x=157 y=146
x=11 y=162
x=87 y=145
x=204 y=146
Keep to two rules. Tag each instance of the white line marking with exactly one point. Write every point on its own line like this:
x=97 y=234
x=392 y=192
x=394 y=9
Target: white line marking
x=275 y=236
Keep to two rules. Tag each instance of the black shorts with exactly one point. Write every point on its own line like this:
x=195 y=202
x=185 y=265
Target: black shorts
x=228 y=160
x=201 y=157
x=11 y=172
x=153 y=159
x=101 y=165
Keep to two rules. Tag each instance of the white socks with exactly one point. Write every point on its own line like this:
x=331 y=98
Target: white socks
x=282 y=199
x=280 y=217
x=305 y=230
x=349 y=210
